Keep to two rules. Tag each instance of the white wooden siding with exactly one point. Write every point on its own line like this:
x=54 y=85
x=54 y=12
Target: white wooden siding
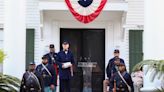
x=134 y=20
x=1 y=12
x=33 y=21
x=135 y=14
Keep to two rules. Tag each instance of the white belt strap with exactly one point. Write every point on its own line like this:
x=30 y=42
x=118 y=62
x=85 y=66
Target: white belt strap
x=129 y=88
x=34 y=76
x=47 y=70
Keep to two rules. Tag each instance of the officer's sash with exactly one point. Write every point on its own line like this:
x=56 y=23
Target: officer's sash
x=47 y=70
x=129 y=88
x=32 y=75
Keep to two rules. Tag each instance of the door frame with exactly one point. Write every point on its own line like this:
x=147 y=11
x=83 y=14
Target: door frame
x=100 y=75
x=111 y=27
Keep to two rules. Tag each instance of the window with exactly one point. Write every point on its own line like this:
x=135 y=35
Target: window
x=135 y=47
x=30 y=37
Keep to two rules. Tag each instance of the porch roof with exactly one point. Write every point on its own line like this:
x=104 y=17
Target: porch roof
x=110 y=6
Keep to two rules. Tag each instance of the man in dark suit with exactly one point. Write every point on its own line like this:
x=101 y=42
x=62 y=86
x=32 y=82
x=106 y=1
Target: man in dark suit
x=65 y=60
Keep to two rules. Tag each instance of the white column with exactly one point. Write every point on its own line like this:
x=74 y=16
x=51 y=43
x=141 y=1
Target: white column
x=14 y=37
x=154 y=30
x=153 y=44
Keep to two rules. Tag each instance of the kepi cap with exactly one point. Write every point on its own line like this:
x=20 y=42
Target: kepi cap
x=121 y=64
x=116 y=51
x=44 y=57
x=32 y=63
x=51 y=46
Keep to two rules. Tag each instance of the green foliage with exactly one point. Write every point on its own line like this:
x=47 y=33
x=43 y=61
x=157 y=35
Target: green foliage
x=155 y=66
x=2 y=56
x=158 y=64
x=9 y=83
x=161 y=65
x=160 y=90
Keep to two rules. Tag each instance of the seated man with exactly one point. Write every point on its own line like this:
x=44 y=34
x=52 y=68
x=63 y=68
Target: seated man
x=111 y=68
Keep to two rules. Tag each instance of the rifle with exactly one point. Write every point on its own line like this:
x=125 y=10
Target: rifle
x=114 y=89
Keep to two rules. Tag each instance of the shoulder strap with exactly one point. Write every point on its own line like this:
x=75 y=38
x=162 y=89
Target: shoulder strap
x=34 y=76
x=47 y=70
x=129 y=88
x=29 y=75
x=52 y=57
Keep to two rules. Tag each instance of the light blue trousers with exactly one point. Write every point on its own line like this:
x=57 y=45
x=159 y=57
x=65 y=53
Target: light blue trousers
x=48 y=89
x=87 y=89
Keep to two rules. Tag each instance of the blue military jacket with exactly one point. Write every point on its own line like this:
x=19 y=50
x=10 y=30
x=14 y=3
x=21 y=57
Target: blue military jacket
x=63 y=57
x=120 y=85
x=29 y=81
x=47 y=78
x=51 y=57
x=111 y=67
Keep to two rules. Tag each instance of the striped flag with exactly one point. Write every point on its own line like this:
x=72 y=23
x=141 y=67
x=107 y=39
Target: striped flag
x=85 y=11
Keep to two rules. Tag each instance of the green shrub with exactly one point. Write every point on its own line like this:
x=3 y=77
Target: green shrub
x=2 y=56
x=9 y=83
x=156 y=66
x=160 y=90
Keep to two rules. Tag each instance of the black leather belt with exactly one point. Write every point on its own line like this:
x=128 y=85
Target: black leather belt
x=44 y=75
x=120 y=89
x=32 y=89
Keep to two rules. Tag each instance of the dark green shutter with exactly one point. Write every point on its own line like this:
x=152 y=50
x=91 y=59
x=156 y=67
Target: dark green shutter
x=135 y=47
x=30 y=34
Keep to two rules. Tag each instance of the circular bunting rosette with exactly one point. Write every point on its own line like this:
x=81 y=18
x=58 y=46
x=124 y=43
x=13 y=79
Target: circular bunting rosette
x=85 y=10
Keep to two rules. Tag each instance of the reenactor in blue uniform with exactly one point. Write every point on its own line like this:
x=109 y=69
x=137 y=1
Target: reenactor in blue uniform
x=51 y=55
x=121 y=81
x=52 y=58
x=112 y=67
x=48 y=73
x=65 y=60
x=32 y=80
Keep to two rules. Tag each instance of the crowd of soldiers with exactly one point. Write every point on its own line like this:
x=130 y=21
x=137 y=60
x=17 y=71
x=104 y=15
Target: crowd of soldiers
x=43 y=78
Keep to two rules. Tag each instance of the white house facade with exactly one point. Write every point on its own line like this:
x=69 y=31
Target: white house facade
x=28 y=27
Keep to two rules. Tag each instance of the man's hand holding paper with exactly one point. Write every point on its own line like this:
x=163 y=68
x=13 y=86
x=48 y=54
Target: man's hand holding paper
x=66 y=65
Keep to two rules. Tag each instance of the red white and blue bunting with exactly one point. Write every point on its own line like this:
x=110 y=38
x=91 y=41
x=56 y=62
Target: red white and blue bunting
x=85 y=10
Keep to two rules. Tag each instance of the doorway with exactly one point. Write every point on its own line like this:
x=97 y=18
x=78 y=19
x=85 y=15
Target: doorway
x=86 y=43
